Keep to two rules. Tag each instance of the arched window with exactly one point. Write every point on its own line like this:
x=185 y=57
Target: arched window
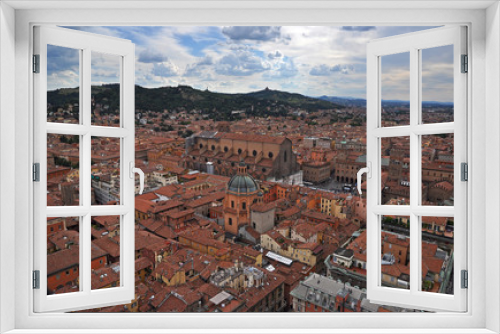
x=270 y=155
x=232 y=204
x=254 y=153
x=226 y=149
x=230 y=221
x=244 y=205
x=213 y=147
x=239 y=151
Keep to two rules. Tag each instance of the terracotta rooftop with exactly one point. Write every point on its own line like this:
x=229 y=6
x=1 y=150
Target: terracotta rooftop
x=142 y=263
x=63 y=238
x=250 y=137
x=109 y=245
x=263 y=207
x=207 y=199
x=106 y=220
x=179 y=214
x=104 y=277
x=68 y=258
x=144 y=238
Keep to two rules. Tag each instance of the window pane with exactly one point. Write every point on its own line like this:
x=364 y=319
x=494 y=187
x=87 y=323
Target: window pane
x=105 y=170
x=63 y=84
x=437 y=169
x=437 y=84
x=395 y=266
x=437 y=254
x=106 y=252
x=395 y=170
x=63 y=163
x=63 y=255
x=106 y=80
x=395 y=83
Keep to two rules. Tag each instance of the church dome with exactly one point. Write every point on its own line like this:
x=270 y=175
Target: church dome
x=242 y=182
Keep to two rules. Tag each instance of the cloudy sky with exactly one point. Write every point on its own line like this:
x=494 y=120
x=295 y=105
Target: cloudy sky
x=312 y=61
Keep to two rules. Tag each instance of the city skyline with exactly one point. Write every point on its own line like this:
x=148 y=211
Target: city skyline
x=248 y=204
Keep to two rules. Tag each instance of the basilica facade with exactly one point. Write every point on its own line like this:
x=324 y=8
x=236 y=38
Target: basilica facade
x=266 y=157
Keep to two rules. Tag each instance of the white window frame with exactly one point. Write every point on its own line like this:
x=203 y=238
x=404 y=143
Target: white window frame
x=484 y=102
x=412 y=44
x=124 y=51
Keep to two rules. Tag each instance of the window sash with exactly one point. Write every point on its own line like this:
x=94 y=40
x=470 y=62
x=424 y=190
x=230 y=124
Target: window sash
x=85 y=43
x=412 y=43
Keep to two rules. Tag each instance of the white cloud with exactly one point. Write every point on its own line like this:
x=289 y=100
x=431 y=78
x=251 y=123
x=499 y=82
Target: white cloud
x=257 y=33
x=241 y=63
x=313 y=60
x=165 y=69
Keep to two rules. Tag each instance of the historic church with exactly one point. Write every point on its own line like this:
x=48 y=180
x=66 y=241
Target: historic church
x=242 y=191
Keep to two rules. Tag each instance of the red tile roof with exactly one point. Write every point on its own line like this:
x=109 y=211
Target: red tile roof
x=143 y=205
x=144 y=238
x=103 y=277
x=143 y=263
x=172 y=304
x=61 y=260
x=263 y=207
x=110 y=245
x=250 y=137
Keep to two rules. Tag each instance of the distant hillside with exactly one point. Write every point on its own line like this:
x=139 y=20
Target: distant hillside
x=355 y=102
x=293 y=99
x=216 y=105
x=344 y=101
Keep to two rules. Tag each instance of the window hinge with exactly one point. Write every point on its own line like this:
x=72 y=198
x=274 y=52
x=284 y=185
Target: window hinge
x=465 y=64
x=464 y=171
x=36 y=63
x=36 y=279
x=465 y=279
x=36 y=172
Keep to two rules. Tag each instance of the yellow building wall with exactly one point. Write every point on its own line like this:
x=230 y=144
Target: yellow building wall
x=178 y=279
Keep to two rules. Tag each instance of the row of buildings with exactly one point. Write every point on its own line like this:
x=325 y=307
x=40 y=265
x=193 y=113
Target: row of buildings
x=226 y=225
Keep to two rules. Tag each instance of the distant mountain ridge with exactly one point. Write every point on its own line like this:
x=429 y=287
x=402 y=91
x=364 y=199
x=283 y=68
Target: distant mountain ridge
x=344 y=101
x=218 y=105
x=357 y=102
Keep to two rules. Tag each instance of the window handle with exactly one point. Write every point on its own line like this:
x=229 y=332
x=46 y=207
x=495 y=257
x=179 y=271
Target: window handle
x=368 y=171
x=139 y=171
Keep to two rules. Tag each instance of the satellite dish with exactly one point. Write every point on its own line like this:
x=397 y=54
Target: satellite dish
x=159 y=167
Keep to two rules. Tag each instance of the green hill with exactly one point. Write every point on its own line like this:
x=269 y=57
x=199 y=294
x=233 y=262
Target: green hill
x=184 y=98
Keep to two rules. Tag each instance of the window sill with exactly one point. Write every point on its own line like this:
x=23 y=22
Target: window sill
x=260 y=331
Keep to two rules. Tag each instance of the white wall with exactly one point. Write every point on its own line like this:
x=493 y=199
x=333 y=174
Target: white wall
x=7 y=170
x=492 y=164
x=252 y=17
